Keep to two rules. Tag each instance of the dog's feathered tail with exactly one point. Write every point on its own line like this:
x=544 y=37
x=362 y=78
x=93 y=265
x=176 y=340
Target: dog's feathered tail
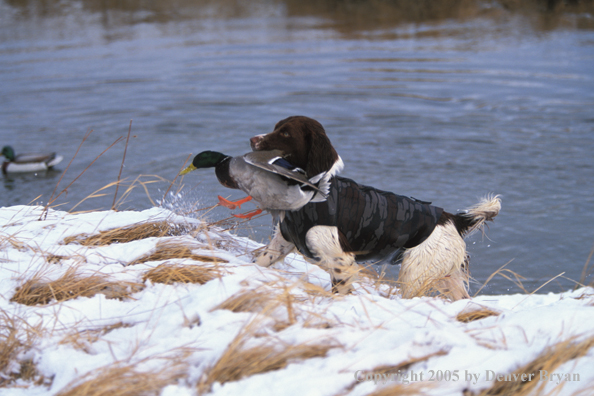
x=474 y=218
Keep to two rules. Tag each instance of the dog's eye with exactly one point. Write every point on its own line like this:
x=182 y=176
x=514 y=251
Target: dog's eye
x=286 y=134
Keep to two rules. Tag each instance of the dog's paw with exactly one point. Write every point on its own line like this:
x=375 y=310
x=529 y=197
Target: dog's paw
x=266 y=259
x=342 y=286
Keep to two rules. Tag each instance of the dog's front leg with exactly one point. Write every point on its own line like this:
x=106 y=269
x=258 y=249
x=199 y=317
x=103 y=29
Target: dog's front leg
x=323 y=242
x=277 y=249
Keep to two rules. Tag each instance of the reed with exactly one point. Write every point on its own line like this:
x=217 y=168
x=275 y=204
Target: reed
x=507 y=274
x=585 y=271
x=52 y=199
x=130 y=187
x=113 y=205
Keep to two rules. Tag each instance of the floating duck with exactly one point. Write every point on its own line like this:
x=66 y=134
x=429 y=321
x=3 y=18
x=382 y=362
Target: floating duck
x=265 y=176
x=28 y=162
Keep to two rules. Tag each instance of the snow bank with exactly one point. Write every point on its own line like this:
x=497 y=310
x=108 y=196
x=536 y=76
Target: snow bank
x=183 y=338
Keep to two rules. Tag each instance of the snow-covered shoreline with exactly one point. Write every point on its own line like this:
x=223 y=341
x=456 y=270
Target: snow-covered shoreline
x=179 y=334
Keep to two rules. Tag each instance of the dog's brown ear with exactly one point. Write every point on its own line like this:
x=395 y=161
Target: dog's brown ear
x=283 y=122
x=321 y=155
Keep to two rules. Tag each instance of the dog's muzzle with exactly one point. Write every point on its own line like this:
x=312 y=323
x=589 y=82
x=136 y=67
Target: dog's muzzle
x=255 y=142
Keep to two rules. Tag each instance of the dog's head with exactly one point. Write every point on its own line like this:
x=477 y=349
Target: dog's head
x=303 y=143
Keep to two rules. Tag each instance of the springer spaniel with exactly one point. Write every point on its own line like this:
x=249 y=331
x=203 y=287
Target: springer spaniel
x=361 y=223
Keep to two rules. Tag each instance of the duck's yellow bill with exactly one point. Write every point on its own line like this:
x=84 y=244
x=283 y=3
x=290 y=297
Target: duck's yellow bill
x=188 y=170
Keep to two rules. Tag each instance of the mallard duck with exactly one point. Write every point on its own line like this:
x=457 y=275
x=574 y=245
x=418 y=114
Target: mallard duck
x=28 y=162
x=265 y=176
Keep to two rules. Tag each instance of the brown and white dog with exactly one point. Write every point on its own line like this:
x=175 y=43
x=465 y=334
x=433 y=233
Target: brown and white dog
x=361 y=223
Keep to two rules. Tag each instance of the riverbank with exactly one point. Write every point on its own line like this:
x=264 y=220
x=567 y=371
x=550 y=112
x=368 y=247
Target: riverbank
x=150 y=302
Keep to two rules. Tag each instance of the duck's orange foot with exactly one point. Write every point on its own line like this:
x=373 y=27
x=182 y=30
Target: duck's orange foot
x=231 y=204
x=248 y=215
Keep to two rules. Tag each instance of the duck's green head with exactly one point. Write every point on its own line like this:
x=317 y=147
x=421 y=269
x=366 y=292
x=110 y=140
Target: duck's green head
x=8 y=153
x=206 y=159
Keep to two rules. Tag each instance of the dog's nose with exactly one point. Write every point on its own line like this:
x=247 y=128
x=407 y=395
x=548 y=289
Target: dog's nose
x=254 y=142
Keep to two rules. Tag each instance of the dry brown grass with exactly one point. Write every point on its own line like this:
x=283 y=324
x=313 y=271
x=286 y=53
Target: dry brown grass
x=125 y=380
x=477 y=314
x=82 y=339
x=585 y=272
x=429 y=288
x=72 y=284
x=508 y=274
x=272 y=296
x=236 y=363
x=178 y=273
x=16 y=337
x=384 y=286
x=239 y=362
x=395 y=369
x=55 y=258
x=266 y=300
x=549 y=360
x=315 y=290
x=405 y=365
x=12 y=242
x=130 y=233
x=9 y=340
x=249 y=301
x=175 y=250
x=415 y=389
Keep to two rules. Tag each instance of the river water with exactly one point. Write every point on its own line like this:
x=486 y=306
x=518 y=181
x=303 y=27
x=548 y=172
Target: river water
x=445 y=105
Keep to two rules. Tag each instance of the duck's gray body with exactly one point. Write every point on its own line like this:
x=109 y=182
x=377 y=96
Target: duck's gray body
x=273 y=187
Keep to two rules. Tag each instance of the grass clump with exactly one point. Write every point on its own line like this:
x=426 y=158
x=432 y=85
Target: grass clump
x=71 y=285
x=271 y=300
x=470 y=316
x=178 y=273
x=169 y=251
x=124 y=380
x=548 y=360
x=249 y=301
x=239 y=362
x=130 y=233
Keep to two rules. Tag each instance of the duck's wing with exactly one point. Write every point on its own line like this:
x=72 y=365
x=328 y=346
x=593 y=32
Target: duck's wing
x=273 y=162
x=27 y=158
